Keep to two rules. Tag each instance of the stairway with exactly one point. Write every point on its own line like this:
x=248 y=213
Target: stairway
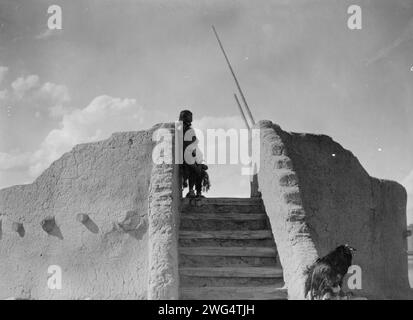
x=226 y=251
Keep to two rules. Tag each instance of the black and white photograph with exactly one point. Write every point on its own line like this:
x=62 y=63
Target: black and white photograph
x=206 y=155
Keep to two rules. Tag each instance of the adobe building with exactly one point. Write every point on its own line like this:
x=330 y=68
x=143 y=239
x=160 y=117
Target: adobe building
x=115 y=222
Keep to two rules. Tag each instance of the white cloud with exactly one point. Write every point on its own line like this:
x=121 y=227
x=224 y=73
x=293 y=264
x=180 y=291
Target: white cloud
x=48 y=96
x=57 y=96
x=24 y=84
x=3 y=72
x=98 y=120
x=103 y=116
x=55 y=91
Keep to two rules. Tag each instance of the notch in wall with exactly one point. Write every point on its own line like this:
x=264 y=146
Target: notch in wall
x=133 y=224
x=51 y=228
x=19 y=228
x=84 y=219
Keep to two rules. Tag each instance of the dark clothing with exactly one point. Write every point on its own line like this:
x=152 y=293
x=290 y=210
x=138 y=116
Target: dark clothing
x=194 y=175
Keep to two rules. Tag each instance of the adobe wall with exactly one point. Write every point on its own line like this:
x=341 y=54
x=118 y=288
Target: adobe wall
x=164 y=215
x=318 y=196
x=107 y=255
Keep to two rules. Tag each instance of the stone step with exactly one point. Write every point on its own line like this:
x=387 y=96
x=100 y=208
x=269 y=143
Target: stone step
x=234 y=293
x=230 y=276
x=221 y=201
x=213 y=242
x=227 y=256
x=209 y=224
x=230 y=251
x=227 y=251
x=200 y=282
x=232 y=272
x=230 y=208
x=223 y=216
x=220 y=261
x=248 y=235
x=221 y=205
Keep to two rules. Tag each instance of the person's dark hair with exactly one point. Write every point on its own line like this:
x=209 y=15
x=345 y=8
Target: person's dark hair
x=185 y=115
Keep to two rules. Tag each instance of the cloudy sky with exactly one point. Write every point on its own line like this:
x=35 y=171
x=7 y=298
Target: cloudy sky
x=126 y=65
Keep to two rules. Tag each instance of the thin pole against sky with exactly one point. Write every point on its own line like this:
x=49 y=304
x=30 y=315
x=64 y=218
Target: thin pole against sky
x=235 y=78
x=241 y=111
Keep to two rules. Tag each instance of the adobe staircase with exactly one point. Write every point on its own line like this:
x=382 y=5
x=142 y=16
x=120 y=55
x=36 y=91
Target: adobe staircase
x=226 y=251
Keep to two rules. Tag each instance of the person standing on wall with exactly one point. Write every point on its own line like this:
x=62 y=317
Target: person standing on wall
x=193 y=171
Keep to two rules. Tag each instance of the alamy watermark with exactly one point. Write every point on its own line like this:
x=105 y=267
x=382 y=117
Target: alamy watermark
x=210 y=146
x=54 y=281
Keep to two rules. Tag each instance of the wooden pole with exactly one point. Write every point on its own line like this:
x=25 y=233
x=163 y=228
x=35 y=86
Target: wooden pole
x=254 y=179
x=235 y=78
x=242 y=112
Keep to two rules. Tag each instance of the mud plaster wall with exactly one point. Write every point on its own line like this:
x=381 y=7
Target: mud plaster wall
x=410 y=239
x=318 y=196
x=164 y=201
x=105 y=256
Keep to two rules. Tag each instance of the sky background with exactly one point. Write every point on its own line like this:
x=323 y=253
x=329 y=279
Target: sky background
x=126 y=65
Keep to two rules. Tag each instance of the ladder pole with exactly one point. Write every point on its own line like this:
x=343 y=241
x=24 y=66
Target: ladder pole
x=242 y=111
x=235 y=78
